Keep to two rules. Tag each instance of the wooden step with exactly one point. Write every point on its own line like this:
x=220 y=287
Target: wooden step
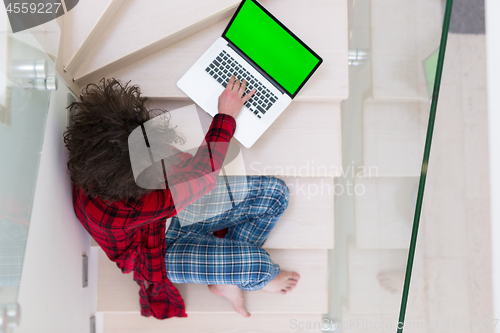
x=320 y=24
x=365 y=294
x=78 y=23
x=394 y=136
x=85 y=24
x=156 y=25
x=368 y=322
x=399 y=47
x=384 y=209
x=305 y=141
x=207 y=323
x=118 y=292
x=381 y=322
x=308 y=221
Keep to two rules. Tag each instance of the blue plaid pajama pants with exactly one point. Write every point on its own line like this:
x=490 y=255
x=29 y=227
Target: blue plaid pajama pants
x=194 y=255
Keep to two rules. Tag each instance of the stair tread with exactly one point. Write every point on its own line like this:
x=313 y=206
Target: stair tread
x=118 y=292
x=305 y=141
x=85 y=43
x=170 y=18
x=394 y=136
x=308 y=221
x=157 y=74
x=78 y=23
x=366 y=295
x=207 y=323
x=384 y=212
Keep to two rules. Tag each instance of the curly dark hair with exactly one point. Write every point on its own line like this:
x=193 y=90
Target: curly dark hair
x=97 y=139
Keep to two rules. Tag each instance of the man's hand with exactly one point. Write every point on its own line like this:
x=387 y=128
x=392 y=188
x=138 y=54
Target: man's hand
x=231 y=100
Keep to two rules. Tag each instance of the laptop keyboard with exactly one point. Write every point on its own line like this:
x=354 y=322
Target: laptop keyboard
x=224 y=66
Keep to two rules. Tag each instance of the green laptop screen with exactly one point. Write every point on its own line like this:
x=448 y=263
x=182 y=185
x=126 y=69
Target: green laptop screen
x=271 y=47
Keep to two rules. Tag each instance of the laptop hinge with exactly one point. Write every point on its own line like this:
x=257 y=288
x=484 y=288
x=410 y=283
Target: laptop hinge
x=264 y=74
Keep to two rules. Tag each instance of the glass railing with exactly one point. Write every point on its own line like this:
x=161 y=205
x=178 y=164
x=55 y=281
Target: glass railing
x=27 y=76
x=380 y=276
x=451 y=282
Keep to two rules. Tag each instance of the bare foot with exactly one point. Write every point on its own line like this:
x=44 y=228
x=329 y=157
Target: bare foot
x=233 y=294
x=285 y=281
x=392 y=281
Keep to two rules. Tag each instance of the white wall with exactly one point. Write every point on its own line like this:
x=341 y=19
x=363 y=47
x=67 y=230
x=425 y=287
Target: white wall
x=493 y=63
x=51 y=296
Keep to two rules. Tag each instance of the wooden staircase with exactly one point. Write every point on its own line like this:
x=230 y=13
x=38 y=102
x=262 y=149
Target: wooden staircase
x=153 y=45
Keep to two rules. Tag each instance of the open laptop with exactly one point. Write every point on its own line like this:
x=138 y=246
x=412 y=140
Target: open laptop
x=255 y=46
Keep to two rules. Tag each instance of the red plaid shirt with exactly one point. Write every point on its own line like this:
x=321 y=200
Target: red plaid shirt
x=132 y=232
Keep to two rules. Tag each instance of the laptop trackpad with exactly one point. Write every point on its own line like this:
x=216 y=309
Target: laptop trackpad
x=212 y=103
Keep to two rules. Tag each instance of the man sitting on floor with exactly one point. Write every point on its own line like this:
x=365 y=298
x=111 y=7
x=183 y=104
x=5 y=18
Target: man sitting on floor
x=129 y=222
